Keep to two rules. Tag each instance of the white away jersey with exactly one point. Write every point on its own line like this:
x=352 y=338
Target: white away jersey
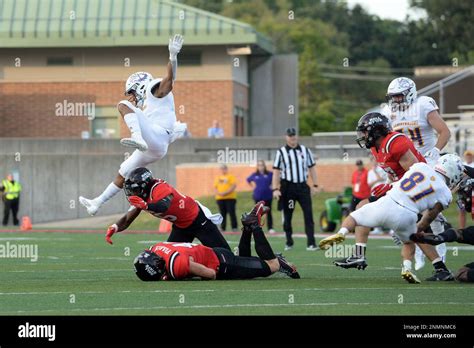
x=160 y=110
x=413 y=122
x=420 y=189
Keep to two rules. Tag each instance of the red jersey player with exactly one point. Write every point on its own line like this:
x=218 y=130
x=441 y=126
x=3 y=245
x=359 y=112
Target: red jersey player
x=155 y=196
x=395 y=153
x=174 y=261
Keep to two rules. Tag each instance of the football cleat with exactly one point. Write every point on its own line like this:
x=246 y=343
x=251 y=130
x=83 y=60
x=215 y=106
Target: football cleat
x=409 y=276
x=136 y=141
x=255 y=216
x=441 y=275
x=288 y=247
x=287 y=268
x=352 y=262
x=327 y=242
x=312 y=248
x=91 y=205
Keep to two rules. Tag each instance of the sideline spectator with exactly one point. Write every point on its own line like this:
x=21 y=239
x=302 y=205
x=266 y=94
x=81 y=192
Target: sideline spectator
x=11 y=199
x=261 y=182
x=376 y=174
x=226 y=197
x=215 y=131
x=360 y=187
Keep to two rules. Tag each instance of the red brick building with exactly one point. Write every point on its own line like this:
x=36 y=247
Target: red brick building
x=61 y=54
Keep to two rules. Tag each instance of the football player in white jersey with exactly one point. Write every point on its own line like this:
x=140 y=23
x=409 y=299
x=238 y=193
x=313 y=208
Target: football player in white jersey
x=421 y=190
x=419 y=119
x=150 y=115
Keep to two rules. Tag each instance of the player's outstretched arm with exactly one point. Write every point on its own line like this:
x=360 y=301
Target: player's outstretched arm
x=429 y=216
x=166 y=85
x=122 y=224
x=198 y=270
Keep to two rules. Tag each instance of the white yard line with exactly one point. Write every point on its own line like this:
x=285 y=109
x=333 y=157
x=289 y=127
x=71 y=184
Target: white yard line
x=183 y=291
x=243 y=305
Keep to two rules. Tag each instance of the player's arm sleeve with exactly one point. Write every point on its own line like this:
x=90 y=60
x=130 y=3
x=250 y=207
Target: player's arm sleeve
x=429 y=105
x=178 y=266
x=250 y=178
x=399 y=146
x=277 y=164
x=310 y=158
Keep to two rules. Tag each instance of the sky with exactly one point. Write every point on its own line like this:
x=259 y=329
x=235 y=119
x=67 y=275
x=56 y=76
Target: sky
x=388 y=9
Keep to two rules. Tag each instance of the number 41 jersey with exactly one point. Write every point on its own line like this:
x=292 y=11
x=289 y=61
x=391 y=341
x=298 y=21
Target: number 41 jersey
x=413 y=122
x=420 y=188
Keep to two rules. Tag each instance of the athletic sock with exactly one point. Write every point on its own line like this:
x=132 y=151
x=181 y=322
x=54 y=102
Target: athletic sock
x=262 y=247
x=244 y=243
x=132 y=123
x=343 y=231
x=439 y=264
x=407 y=264
x=108 y=193
x=360 y=249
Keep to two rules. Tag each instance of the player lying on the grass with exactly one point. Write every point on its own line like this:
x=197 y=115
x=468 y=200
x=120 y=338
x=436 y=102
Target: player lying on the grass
x=464 y=235
x=190 y=219
x=150 y=115
x=422 y=189
x=395 y=154
x=174 y=261
x=419 y=119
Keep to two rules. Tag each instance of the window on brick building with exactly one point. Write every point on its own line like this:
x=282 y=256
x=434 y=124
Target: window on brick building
x=59 y=61
x=105 y=124
x=190 y=58
x=240 y=121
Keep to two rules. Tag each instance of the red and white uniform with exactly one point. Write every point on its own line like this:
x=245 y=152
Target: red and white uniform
x=176 y=256
x=183 y=209
x=392 y=148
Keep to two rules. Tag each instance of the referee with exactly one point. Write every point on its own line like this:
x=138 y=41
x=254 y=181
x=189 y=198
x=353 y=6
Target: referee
x=290 y=173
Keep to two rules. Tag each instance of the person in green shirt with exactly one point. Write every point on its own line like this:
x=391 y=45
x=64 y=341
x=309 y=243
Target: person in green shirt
x=11 y=198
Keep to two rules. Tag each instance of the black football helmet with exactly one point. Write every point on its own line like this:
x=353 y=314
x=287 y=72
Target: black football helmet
x=464 y=200
x=139 y=183
x=370 y=127
x=149 y=266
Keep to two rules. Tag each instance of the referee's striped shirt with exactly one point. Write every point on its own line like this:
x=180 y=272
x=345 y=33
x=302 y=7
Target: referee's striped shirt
x=294 y=163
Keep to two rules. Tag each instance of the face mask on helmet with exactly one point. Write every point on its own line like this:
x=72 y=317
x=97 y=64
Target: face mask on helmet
x=401 y=93
x=465 y=195
x=149 y=266
x=371 y=127
x=139 y=183
x=136 y=85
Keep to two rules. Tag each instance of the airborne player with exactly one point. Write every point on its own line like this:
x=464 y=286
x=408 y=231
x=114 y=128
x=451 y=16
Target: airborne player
x=152 y=129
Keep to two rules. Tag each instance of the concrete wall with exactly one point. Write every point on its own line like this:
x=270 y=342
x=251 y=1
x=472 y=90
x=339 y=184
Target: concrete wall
x=54 y=172
x=52 y=183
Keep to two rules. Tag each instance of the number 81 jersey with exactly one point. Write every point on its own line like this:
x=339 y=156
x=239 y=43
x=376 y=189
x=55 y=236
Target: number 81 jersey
x=420 y=188
x=413 y=122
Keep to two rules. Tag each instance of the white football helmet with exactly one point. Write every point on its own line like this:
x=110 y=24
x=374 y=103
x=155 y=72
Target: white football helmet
x=136 y=84
x=451 y=167
x=401 y=86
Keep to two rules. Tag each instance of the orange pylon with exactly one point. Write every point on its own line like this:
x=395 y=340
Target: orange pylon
x=26 y=223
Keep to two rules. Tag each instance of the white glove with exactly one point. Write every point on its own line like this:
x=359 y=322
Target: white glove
x=432 y=154
x=175 y=46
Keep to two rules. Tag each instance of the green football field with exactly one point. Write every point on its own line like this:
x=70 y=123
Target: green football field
x=79 y=274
